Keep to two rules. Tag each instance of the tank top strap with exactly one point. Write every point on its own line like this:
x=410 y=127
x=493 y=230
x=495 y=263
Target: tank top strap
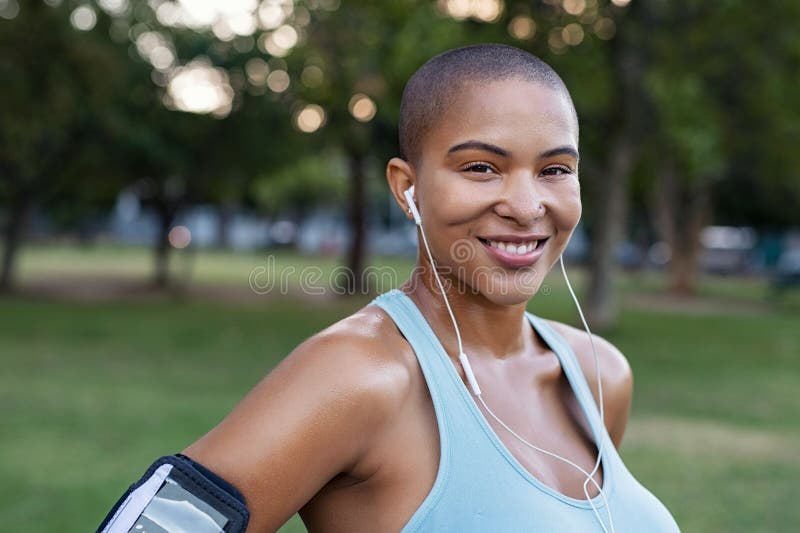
x=572 y=369
x=442 y=382
x=420 y=336
x=446 y=387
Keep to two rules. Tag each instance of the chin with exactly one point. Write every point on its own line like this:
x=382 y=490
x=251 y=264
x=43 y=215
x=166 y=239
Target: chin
x=508 y=292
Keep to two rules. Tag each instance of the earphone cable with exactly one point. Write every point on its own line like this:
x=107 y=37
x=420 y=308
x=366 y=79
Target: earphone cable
x=477 y=393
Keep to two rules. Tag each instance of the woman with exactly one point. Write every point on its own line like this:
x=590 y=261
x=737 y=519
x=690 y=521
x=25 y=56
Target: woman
x=373 y=425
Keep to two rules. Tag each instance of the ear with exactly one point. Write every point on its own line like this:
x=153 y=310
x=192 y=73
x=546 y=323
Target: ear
x=401 y=176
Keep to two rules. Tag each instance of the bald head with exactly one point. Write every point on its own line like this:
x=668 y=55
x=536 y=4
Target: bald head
x=435 y=87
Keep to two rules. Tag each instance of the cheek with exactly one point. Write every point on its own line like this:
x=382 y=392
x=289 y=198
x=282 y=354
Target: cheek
x=455 y=202
x=567 y=208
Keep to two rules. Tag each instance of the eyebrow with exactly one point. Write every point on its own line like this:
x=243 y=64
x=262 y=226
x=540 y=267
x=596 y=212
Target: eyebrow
x=488 y=147
x=479 y=145
x=569 y=150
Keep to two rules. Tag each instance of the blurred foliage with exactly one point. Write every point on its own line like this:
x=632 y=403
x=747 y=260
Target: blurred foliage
x=311 y=181
x=705 y=89
x=56 y=91
x=720 y=89
x=711 y=69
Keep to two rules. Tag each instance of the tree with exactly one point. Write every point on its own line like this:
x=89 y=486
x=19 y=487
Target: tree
x=350 y=45
x=723 y=100
x=601 y=50
x=52 y=111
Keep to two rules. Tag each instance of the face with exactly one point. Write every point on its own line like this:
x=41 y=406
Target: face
x=497 y=188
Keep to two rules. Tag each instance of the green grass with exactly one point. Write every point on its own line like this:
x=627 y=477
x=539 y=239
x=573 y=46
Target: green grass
x=204 y=267
x=93 y=392
x=716 y=419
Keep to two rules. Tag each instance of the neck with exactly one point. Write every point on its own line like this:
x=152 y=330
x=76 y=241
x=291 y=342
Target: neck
x=487 y=329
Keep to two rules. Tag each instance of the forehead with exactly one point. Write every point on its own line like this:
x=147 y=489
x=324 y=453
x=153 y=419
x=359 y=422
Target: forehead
x=520 y=115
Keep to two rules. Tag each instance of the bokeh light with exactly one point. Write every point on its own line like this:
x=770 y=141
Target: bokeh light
x=362 y=107
x=222 y=30
x=200 y=88
x=244 y=43
x=113 y=7
x=589 y=15
x=555 y=40
x=257 y=71
x=572 y=34
x=225 y=18
x=271 y=15
x=203 y=13
x=522 y=27
x=487 y=10
x=604 y=28
x=278 y=81
x=328 y=5
x=310 y=118
x=458 y=9
x=312 y=76
x=242 y=23
x=302 y=17
x=275 y=43
x=83 y=18
x=574 y=7
x=482 y=10
x=9 y=9
x=161 y=58
x=285 y=36
x=155 y=48
x=169 y=14
x=180 y=237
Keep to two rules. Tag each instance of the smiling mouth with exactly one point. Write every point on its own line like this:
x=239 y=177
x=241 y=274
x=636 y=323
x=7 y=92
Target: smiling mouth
x=515 y=248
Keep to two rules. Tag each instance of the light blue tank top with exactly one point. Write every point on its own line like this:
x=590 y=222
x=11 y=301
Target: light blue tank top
x=480 y=486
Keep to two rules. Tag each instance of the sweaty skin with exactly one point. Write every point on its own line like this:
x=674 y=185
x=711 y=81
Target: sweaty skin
x=343 y=430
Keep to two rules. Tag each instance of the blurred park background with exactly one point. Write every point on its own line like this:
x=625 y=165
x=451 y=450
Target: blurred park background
x=190 y=188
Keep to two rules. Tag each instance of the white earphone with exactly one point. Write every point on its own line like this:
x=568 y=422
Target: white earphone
x=412 y=205
x=476 y=390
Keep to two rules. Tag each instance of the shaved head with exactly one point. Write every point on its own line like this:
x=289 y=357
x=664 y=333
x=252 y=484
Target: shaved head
x=433 y=89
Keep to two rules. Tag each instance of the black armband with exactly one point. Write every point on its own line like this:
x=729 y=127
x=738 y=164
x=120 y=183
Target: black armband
x=178 y=495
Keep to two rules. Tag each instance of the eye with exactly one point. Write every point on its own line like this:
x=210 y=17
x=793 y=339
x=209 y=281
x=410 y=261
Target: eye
x=557 y=171
x=479 y=168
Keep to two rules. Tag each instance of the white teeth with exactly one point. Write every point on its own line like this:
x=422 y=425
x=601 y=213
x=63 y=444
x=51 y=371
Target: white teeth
x=518 y=249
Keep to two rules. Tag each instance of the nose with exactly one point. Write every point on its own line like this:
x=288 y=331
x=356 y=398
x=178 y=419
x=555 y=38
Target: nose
x=522 y=199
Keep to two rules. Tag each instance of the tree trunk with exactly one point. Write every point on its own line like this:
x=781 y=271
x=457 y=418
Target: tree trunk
x=682 y=210
x=686 y=251
x=353 y=276
x=12 y=238
x=226 y=213
x=609 y=232
x=629 y=123
x=166 y=218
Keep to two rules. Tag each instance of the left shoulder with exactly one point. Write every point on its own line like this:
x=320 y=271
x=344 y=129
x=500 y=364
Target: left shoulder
x=615 y=374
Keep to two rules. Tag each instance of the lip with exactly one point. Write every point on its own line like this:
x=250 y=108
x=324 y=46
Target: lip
x=514 y=237
x=514 y=260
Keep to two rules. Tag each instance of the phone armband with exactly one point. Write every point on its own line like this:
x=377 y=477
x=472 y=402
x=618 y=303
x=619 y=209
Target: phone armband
x=177 y=494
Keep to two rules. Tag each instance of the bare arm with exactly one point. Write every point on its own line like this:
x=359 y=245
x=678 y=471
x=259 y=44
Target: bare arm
x=314 y=416
x=617 y=379
x=615 y=374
